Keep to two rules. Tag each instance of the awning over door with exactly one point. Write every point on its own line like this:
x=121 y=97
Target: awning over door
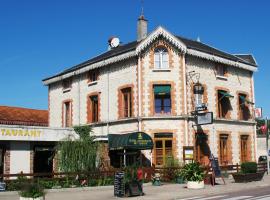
x=134 y=140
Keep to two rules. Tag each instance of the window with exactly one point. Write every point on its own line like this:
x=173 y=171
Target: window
x=93 y=75
x=163 y=147
x=67 y=84
x=224 y=104
x=126 y=107
x=244 y=148
x=67 y=114
x=162 y=99
x=94 y=108
x=244 y=113
x=161 y=58
x=221 y=70
x=223 y=149
x=202 y=149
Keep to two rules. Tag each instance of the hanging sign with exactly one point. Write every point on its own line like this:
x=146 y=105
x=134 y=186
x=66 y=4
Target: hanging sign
x=258 y=112
x=204 y=118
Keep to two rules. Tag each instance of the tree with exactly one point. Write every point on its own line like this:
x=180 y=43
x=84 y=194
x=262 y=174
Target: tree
x=78 y=155
x=260 y=123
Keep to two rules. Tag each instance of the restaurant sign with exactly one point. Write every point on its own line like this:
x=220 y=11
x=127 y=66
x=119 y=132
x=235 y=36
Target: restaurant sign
x=26 y=133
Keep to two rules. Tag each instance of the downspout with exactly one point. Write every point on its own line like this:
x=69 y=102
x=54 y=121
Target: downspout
x=253 y=106
x=185 y=99
x=108 y=101
x=139 y=95
x=79 y=99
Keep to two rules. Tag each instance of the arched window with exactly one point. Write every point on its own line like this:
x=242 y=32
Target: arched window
x=161 y=58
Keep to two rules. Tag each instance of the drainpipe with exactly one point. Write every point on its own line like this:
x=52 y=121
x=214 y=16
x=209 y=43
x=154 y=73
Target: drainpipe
x=108 y=101
x=253 y=106
x=185 y=99
x=139 y=95
x=79 y=99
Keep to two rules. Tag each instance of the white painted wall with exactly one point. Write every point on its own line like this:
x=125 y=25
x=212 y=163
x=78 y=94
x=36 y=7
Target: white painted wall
x=19 y=157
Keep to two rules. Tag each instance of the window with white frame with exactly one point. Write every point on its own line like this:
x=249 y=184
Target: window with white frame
x=161 y=58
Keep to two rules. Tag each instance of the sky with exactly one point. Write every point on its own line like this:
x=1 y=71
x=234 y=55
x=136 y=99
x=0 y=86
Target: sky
x=41 y=38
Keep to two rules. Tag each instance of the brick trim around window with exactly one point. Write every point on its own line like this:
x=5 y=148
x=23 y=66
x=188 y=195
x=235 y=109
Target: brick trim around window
x=229 y=156
x=152 y=96
x=228 y=115
x=120 y=100
x=71 y=113
x=249 y=145
x=89 y=108
x=238 y=105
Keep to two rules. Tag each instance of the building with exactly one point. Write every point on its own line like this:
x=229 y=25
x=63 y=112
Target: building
x=154 y=85
x=27 y=144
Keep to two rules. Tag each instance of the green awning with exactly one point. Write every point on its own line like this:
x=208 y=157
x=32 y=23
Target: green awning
x=135 y=141
x=246 y=100
x=226 y=94
x=162 y=89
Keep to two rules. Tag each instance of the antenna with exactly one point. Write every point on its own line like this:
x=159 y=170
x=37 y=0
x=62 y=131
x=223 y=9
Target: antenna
x=142 y=4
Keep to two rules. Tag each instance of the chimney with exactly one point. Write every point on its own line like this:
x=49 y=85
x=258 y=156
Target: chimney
x=141 y=28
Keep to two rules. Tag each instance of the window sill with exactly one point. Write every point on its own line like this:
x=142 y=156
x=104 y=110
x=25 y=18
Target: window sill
x=66 y=90
x=222 y=77
x=92 y=83
x=161 y=70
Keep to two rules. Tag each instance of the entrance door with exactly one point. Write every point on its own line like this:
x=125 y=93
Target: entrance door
x=163 y=148
x=43 y=159
x=2 y=152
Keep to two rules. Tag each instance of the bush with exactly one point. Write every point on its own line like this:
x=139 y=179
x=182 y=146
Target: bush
x=32 y=190
x=192 y=172
x=249 y=167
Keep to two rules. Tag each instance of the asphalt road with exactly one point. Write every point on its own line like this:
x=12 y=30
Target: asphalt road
x=262 y=193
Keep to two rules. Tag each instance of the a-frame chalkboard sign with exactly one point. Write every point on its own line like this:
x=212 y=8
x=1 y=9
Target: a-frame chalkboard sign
x=216 y=172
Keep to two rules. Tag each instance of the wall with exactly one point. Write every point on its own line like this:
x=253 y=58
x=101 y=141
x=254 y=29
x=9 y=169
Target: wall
x=19 y=157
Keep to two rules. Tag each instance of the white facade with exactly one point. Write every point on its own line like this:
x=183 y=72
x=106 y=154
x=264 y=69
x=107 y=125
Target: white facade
x=137 y=69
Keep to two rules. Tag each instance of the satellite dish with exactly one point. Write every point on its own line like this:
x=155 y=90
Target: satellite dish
x=114 y=42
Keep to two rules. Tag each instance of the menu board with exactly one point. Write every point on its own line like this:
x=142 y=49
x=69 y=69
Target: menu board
x=119 y=185
x=215 y=166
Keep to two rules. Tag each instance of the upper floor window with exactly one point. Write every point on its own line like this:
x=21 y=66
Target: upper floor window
x=94 y=112
x=67 y=84
x=67 y=121
x=161 y=58
x=224 y=104
x=244 y=112
x=221 y=70
x=126 y=107
x=162 y=99
x=93 y=75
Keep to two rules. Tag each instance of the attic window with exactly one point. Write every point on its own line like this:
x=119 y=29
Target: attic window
x=221 y=71
x=161 y=58
x=67 y=84
x=93 y=75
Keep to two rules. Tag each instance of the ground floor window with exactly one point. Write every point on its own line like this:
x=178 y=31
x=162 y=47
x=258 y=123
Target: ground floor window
x=202 y=149
x=223 y=149
x=244 y=148
x=163 y=148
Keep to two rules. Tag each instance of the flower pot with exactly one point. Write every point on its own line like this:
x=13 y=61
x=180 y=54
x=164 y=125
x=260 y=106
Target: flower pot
x=179 y=180
x=27 y=198
x=243 y=178
x=195 y=184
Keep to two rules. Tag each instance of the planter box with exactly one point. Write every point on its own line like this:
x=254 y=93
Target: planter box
x=195 y=185
x=243 y=178
x=26 y=198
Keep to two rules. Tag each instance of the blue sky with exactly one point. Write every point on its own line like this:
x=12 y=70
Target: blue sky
x=41 y=38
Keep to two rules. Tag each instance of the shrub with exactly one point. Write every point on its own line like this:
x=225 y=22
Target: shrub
x=249 y=167
x=192 y=172
x=32 y=190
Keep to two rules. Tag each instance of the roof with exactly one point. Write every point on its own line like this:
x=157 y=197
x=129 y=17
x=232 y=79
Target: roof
x=23 y=116
x=191 y=44
x=247 y=57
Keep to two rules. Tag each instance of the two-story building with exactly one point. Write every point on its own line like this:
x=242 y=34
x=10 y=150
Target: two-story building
x=153 y=85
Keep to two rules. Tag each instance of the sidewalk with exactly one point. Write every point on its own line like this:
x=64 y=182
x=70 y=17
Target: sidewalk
x=164 y=192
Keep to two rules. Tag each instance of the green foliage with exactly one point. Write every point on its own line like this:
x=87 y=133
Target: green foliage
x=192 y=172
x=32 y=190
x=171 y=161
x=14 y=185
x=78 y=155
x=249 y=167
x=261 y=122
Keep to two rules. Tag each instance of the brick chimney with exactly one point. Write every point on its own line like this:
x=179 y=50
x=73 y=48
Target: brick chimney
x=141 y=28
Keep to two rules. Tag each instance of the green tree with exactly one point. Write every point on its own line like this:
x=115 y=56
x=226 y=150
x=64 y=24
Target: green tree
x=78 y=155
x=260 y=123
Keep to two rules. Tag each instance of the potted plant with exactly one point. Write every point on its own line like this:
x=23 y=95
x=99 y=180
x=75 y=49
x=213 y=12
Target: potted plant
x=32 y=191
x=248 y=173
x=179 y=177
x=156 y=179
x=194 y=175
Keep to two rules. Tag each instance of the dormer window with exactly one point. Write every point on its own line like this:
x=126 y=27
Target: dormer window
x=161 y=58
x=67 y=84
